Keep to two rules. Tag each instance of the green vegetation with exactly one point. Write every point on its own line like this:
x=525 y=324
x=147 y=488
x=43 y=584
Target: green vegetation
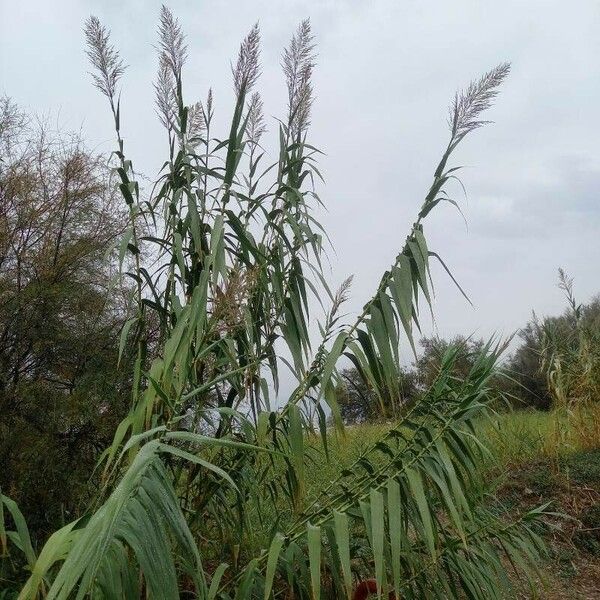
x=61 y=313
x=528 y=464
x=565 y=439
x=215 y=484
x=558 y=362
x=358 y=399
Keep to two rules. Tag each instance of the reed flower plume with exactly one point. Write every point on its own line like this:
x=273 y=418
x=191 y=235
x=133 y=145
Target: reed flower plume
x=477 y=97
x=165 y=97
x=104 y=57
x=208 y=113
x=247 y=68
x=196 y=121
x=298 y=64
x=565 y=283
x=171 y=42
x=256 y=120
x=340 y=296
x=332 y=317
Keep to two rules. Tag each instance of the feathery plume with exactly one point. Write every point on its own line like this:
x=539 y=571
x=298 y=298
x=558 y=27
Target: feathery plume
x=171 y=42
x=565 y=283
x=196 y=121
x=256 y=122
x=164 y=93
x=332 y=316
x=209 y=106
x=298 y=64
x=470 y=103
x=247 y=68
x=342 y=294
x=103 y=57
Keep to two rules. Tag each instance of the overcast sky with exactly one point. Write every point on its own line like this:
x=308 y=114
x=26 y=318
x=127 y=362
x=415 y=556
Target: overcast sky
x=386 y=73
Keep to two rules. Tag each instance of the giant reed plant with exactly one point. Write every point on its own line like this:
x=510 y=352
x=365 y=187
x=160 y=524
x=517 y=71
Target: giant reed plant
x=204 y=484
x=569 y=356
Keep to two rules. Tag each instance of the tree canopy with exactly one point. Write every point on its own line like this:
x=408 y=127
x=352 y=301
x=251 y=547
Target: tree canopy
x=61 y=393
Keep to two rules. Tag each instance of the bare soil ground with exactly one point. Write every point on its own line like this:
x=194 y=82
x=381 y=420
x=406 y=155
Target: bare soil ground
x=572 y=569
